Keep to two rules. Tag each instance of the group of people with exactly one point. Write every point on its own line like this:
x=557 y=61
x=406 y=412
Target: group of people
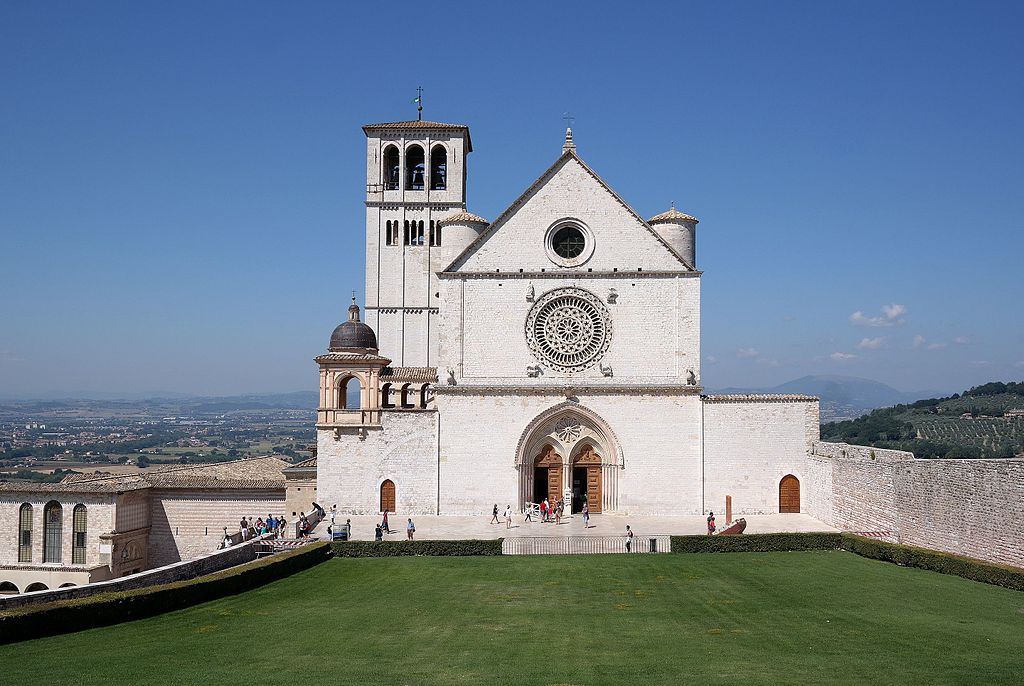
x=270 y=525
x=552 y=512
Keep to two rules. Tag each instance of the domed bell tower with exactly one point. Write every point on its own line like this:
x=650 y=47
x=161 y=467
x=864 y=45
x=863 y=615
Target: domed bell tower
x=415 y=177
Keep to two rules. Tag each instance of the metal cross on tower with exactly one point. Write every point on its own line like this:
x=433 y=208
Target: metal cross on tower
x=419 y=103
x=569 y=119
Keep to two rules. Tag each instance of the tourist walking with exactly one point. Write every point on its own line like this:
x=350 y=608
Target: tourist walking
x=378 y=535
x=282 y=527
x=494 y=514
x=558 y=513
x=586 y=516
x=629 y=539
x=528 y=510
x=334 y=512
x=545 y=510
x=508 y=517
x=384 y=524
x=711 y=523
x=410 y=529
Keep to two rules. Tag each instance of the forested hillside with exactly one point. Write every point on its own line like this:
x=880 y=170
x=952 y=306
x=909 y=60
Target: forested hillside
x=977 y=423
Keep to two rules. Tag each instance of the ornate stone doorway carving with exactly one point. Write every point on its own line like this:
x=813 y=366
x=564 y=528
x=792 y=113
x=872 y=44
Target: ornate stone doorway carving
x=569 y=452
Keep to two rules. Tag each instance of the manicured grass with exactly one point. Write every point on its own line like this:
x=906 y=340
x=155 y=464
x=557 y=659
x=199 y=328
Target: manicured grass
x=805 y=617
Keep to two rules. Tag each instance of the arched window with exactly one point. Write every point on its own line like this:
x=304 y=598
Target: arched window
x=406 y=396
x=79 y=521
x=419 y=233
x=25 y=533
x=8 y=588
x=438 y=168
x=350 y=394
x=391 y=169
x=435 y=233
x=424 y=393
x=385 y=396
x=37 y=586
x=414 y=171
x=53 y=521
x=408 y=233
x=389 y=233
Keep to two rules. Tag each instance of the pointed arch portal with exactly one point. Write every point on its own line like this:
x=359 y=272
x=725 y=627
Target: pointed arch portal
x=569 y=452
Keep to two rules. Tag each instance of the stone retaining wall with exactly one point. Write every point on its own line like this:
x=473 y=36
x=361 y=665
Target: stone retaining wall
x=968 y=507
x=213 y=562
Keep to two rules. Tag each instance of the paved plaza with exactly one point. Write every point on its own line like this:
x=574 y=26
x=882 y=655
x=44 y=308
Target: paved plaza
x=480 y=527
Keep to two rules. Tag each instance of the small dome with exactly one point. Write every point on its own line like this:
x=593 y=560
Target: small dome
x=673 y=215
x=463 y=218
x=353 y=335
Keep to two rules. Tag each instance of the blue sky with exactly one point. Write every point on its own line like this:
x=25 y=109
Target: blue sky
x=181 y=184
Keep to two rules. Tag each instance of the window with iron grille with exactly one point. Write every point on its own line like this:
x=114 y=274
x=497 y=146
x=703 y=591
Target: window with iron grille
x=25 y=533
x=79 y=521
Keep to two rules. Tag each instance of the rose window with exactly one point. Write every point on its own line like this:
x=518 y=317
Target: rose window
x=568 y=329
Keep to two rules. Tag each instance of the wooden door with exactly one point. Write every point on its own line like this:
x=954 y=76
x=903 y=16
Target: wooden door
x=552 y=461
x=594 y=489
x=592 y=461
x=789 y=494
x=554 y=484
x=387 y=496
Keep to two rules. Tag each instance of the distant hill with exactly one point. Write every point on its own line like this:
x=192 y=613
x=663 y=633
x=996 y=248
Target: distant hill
x=976 y=423
x=842 y=397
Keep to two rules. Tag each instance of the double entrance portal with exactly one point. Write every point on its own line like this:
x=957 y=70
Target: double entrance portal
x=583 y=474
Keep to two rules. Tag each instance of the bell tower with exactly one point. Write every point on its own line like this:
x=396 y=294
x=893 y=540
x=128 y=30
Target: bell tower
x=415 y=177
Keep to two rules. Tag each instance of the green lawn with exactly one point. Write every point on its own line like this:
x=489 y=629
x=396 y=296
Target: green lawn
x=809 y=617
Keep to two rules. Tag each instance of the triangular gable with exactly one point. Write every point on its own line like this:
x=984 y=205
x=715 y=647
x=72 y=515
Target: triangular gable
x=663 y=257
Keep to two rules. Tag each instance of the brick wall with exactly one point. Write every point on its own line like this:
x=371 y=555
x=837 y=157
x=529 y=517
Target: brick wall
x=968 y=507
x=187 y=524
x=749 y=445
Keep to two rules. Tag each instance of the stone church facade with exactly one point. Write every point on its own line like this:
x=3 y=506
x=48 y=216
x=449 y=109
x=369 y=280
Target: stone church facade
x=553 y=352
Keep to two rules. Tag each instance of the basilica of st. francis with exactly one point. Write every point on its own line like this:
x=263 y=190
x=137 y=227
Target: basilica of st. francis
x=553 y=352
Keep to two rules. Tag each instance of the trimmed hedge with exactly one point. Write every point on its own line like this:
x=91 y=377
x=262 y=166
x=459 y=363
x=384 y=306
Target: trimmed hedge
x=756 y=543
x=103 y=609
x=933 y=560
x=429 y=548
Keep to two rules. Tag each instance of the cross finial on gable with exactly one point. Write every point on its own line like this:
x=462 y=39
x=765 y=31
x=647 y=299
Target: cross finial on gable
x=569 y=145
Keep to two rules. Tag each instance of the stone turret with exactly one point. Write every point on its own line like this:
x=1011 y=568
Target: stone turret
x=678 y=230
x=458 y=231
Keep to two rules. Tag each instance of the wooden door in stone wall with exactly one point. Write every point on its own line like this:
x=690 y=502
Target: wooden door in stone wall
x=789 y=494
x=387 y=496
x=552 y=462
x=592 y=461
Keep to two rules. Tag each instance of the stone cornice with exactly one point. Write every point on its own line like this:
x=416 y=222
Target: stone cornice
x=567 y=274
x=760 y=398
x=568 y=390
x=417 y=205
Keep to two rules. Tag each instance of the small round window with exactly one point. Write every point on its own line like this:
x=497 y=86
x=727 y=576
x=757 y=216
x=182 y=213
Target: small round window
x=568 y=242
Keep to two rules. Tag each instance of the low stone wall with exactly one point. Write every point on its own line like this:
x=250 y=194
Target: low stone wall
x=968 y=507
x=180 y=571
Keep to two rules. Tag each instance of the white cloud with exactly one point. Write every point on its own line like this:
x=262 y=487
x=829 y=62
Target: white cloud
x=871 y=343
x=747 y=352
x=961 y=340
x=936 y=346
x=710 y=359
x=842 y=357
x=894 y=311
x=918 y=341
x=892 y=315
x=979 y=363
